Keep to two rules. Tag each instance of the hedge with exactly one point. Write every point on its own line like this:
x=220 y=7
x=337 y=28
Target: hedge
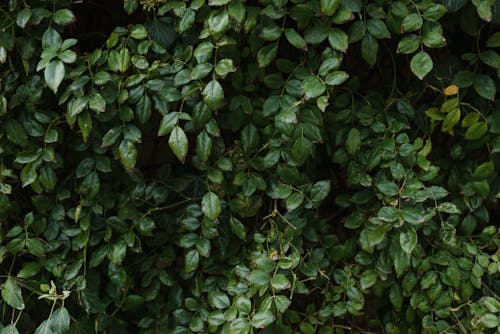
x=231 y=166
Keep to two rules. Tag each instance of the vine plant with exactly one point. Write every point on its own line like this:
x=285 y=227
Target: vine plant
x=231 y=166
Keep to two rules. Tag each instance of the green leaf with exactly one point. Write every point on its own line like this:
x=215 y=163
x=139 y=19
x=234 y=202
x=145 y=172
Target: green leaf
x=294 y=201
x=413 y=216
x=369 y=49
x=220 y=300
x=237 y=228
x=368 y=278
x=266 y=55
x=451 y=119
x=203 y=145
x=388 y=213
x=408 y=44
x=9 y=329
x=454 y=5
x=54 y=74
x=378 y=29
x=494 y=40
x=111 y=136
x=187 y=20
x=118 y=252
x=44 y=328
x=128 y=154
x=23 y=17
x=476 y=131
x=490 y=320
x=213 y=95
x=408 y=240
x=485 y=86
x=353 y=141
x=123 y=60
x=130 y=6
x=313 y=87
x=338 y=39
x=85 y=125
x=144 y=109
x=178 y=143
x=388 y=188
x=191 y=261
x=11 y=294
x=262 y=319
x=29 y=269
x=282 y=303
x=224 y=66
x=168 y=123
x=60 y=321
x=336 y=78
x=139 y=32
x=35 y=247
x=412 y=23
x=97 y=103
x=295 y=39
x=421 y=64
x=64 y=17
x=249 y=137
x=200 y=71
x=211 y=205
x=218 y=22
x=329 y=7
x=319 y=192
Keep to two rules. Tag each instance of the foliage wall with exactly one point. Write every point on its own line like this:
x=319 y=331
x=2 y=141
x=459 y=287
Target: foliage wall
x=231 y=166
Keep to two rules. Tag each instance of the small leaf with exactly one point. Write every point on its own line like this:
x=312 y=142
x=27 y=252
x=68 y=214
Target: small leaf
x=451 y=119
x=412 y=22
x=485 y=86
x=267 y=54
x=211 y=205
x=64 y=17
x=295 y=39
x=319 y=192
x=494 y=40
x=128 y=154
x=191 y=260
x=353 y=141
x=408 y=240
x=224 y=66
x=168 y=123
x=262 y=319
x=338 y=39
x=329 y=7
x=451 y=90
x=11 y=294
x=313 y=87
x=294 y=201
x=213 y=95
x=421 y=64
x=369 y=49
x=60 y=321
x=23 y=17
x=476 y=131
x=178 y=143
x=54 y=74
x=97 y=103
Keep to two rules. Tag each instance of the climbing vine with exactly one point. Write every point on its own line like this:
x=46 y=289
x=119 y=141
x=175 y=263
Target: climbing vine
x=230 y=166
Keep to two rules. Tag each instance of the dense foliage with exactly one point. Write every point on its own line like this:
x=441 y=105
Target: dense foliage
x=231 y=166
